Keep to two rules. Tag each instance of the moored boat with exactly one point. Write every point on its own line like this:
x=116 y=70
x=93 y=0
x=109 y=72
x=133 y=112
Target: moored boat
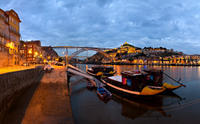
x=145 y=83
x=103 y=93
x=115 y=84
x=101 y=71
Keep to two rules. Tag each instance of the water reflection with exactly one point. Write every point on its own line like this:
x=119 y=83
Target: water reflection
x=170 y=108
x=137 y=108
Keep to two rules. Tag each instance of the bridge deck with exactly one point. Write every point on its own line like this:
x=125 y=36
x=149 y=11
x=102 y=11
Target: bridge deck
x=77 y=47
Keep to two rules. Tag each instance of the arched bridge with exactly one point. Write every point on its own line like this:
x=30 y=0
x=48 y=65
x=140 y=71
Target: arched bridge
x=75 y=47
x=79 y=49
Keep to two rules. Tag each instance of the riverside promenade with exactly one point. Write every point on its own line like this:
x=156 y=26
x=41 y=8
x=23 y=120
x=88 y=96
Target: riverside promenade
x=49 y=102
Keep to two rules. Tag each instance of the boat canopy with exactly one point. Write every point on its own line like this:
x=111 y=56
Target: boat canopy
x=137 y=80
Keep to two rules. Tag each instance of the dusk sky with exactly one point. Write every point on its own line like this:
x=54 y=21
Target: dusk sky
x=109 y=23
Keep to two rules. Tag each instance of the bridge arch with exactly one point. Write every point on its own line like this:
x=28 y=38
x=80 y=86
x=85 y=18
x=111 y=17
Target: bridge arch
x=93 y=49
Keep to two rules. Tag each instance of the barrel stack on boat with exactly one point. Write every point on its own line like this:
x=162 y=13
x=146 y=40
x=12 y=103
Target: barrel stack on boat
x=136 y=83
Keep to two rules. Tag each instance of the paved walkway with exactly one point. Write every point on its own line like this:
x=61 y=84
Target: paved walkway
x=50 y=103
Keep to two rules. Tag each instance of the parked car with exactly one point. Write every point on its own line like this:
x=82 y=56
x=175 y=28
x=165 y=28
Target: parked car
x=48 y=68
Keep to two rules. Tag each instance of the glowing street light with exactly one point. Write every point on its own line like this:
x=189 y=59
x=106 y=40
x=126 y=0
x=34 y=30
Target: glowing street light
x=10 y=45
x=36 y=54
x=30 y=51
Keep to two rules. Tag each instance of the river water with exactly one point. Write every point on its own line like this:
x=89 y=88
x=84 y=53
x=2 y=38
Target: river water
x=180 y=107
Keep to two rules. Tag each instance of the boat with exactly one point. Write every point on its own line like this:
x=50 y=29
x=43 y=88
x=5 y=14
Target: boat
x=139 y=83
x=101 y=71
x=103 y=93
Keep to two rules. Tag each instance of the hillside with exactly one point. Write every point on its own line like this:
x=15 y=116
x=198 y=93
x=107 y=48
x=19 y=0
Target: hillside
x=128 y=52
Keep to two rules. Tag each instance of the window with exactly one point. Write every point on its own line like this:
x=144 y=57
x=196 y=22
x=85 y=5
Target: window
x=14 y=21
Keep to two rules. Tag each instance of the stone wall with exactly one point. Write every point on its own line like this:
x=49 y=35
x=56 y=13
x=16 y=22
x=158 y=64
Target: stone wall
x=13 y=84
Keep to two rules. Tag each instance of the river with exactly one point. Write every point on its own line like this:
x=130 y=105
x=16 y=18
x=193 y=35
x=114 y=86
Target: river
x=180 y=107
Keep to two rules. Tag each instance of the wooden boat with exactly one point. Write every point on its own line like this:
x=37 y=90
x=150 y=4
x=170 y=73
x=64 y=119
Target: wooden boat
x=145 y=83
x=101 y=71
x=103 y=93
x=115 y=83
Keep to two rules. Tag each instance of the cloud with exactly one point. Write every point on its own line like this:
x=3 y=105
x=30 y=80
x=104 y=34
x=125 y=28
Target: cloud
x=109 y=23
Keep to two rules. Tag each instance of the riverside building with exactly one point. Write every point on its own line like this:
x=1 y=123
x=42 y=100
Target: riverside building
x=9 y=37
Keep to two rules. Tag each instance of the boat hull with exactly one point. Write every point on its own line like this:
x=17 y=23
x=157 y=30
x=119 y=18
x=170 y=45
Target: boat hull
x=146 y=91
x=170 y=87
x=132 y=96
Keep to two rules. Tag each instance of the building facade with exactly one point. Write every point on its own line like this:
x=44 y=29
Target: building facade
x=31 y=52
x=9 y=37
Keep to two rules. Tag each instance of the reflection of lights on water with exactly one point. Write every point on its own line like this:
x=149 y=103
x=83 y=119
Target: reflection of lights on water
x=198 y=71
x=86 y=67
